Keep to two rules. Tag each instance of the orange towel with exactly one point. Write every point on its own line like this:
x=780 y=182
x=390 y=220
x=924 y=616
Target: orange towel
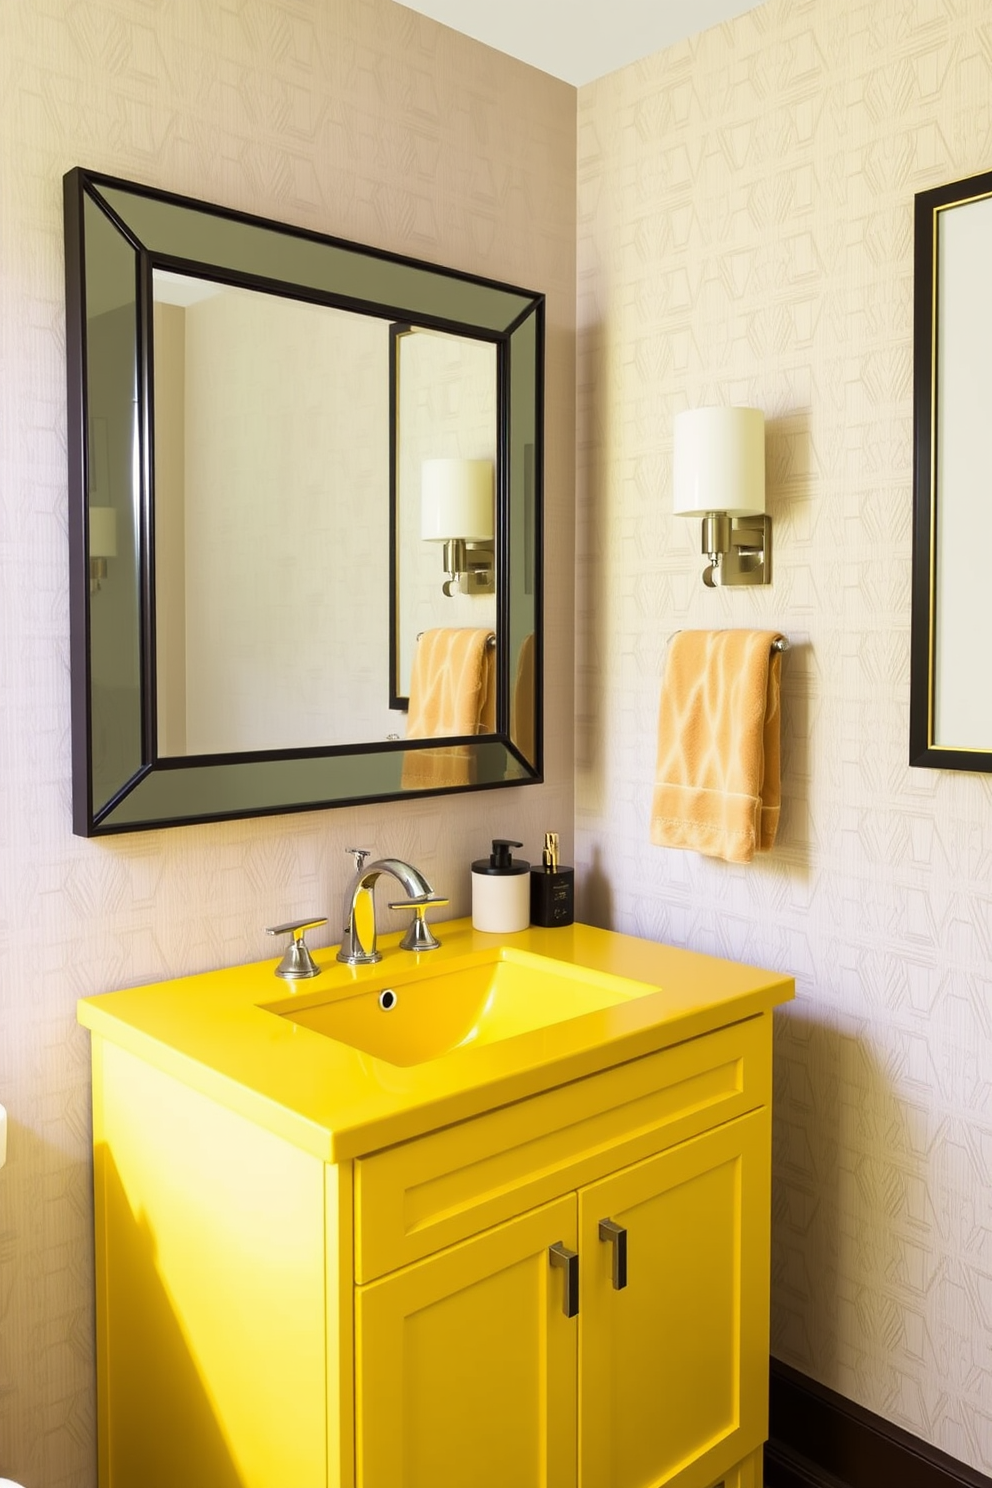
x=718 y=784
x=451 y=693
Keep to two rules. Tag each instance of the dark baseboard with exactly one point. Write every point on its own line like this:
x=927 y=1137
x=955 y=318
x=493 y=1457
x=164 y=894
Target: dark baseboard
x=819 y=1439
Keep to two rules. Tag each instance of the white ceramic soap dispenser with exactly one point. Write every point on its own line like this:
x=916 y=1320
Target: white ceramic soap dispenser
x=501 y=890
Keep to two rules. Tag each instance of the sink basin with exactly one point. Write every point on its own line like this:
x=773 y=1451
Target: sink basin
x=409 y=1017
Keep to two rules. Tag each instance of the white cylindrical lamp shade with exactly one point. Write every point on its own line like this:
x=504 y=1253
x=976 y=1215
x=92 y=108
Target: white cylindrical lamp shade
x=719 y=462
x=456 y=500
x=103 y=532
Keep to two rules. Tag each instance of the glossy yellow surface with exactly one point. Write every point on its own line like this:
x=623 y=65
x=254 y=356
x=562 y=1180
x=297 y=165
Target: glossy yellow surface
x=271 y=1312
x=466 y=1365
x=410 y=1016
x=673 y=1384
x=469 y=1372
x=212 y=1340
x=218 y=1033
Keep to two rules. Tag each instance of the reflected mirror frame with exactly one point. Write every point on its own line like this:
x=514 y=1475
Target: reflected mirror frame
x=175 y=791
x=924 y=753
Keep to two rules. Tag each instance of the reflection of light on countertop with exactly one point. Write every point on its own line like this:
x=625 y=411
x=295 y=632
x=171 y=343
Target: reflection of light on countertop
x=3 y=1136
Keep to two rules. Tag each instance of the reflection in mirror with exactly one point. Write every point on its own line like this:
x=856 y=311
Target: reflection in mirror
x=271 y=518
x=445 y=417
x=236 y=647
x=522 y=526
x=452 y=693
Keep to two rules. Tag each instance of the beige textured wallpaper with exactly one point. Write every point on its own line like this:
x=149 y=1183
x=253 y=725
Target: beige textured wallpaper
x=746 y=235
x=356 y=117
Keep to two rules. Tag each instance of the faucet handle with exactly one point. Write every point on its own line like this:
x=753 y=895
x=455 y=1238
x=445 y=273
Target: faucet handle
x=297 y=963
x=360 y=854
x=420 y=936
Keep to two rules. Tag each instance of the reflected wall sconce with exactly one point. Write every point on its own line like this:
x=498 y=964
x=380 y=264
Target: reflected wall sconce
x=103 y=542
x=456 y=509
x=719 y=475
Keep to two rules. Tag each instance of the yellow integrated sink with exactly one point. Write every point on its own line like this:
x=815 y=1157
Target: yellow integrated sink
x=422 y=1013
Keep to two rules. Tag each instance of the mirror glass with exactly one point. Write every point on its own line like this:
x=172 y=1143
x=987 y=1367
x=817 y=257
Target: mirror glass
x=446 y=401
x=263 y=464
x=255 y=592
x=951 y=717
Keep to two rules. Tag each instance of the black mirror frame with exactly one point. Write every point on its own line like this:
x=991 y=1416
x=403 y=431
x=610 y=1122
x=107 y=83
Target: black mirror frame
x=924 y=753
x=175 y=791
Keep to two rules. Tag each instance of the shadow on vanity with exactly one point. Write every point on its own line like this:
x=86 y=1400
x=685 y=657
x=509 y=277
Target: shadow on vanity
x=153 y=1361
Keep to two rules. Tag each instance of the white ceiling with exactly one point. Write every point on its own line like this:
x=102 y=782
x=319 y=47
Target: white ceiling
x=580 y=40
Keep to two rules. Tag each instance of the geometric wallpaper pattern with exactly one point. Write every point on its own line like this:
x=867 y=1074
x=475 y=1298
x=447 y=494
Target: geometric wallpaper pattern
x=745 y=236
x=358 y=118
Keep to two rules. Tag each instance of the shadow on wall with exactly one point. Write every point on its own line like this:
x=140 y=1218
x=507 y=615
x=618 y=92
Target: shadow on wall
x=793 y=843
x=788 y=476
x=595 y=896
x=848 y=1172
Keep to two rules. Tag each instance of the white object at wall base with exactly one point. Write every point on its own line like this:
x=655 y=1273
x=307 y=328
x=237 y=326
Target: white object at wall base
x=3 y=1159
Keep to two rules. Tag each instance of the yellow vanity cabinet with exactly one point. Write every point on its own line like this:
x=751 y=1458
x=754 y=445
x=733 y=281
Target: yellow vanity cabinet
x=471 y=1374
x=466 y=1364
x=673 y=1367
x=316 y=1269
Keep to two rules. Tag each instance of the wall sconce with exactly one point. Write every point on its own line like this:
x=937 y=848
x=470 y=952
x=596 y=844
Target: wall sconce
x=456 y=508
x=719 y=475
x=103 y=542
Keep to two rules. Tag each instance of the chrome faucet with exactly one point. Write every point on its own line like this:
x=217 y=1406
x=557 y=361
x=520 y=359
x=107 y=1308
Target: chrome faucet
x=358 y=948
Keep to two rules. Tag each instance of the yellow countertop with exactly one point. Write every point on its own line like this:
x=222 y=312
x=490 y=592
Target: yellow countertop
x=216 y=1033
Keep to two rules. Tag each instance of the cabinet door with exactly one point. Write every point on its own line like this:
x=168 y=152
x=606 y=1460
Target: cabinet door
x=674 y=1367
x=466 y=1365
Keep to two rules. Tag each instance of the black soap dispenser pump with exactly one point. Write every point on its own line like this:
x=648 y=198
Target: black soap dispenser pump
x=552 y=888
x=500 y=890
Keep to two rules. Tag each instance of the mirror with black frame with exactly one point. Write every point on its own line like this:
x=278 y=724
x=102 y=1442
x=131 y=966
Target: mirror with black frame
x=950 y=707
x=260 y=617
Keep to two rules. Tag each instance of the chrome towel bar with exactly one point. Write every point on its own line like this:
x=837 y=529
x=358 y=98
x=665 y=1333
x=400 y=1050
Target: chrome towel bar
x=782 y=644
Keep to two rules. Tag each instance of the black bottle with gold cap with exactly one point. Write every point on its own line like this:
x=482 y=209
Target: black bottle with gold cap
x=552 y=888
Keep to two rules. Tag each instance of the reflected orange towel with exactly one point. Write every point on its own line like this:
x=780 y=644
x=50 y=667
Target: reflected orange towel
x=718 y=784
x=451 y=693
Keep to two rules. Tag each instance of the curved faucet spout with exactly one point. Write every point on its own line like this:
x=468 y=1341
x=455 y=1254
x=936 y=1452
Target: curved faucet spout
x=358 y=947
x=411 y=878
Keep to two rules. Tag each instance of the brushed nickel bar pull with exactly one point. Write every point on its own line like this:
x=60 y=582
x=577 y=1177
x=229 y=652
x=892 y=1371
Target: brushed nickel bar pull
x=616 y=1236
x=568 y=1260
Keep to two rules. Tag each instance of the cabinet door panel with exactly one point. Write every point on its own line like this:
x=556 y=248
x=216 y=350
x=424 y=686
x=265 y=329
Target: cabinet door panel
x=675 y=1365
x=467 y=1366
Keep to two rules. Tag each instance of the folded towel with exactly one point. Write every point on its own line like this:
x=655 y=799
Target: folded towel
x=718 y=782
x=451 y=692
